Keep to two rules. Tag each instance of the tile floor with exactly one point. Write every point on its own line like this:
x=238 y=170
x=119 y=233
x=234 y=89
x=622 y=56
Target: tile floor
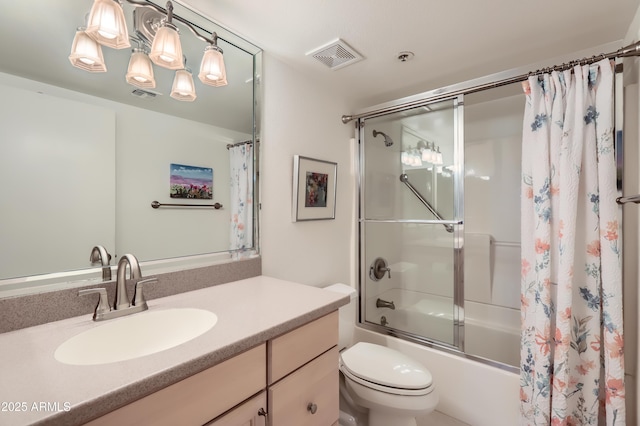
x=438 y=419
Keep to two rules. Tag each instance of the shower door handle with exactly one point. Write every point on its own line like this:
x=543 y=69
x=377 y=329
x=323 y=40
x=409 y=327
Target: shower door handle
x=378 y=268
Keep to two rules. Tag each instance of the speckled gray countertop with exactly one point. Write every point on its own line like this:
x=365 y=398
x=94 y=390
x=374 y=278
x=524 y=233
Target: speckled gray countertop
x=37 y=389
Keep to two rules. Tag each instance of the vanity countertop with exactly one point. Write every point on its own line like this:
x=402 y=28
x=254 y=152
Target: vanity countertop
x=37 y=389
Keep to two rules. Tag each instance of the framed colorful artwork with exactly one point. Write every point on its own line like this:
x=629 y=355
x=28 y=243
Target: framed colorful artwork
x=314 y=189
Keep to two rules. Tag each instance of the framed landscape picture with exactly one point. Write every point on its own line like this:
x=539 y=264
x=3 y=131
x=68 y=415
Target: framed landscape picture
x=191 y=182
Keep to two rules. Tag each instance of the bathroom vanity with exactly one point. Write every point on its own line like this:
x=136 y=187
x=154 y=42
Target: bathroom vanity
x=271 y=359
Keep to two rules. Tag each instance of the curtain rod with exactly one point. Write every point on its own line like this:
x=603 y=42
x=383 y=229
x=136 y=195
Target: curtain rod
x=230 y=145
x=627 y=51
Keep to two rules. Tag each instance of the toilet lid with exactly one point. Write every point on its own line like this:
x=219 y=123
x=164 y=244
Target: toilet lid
x=385 y=366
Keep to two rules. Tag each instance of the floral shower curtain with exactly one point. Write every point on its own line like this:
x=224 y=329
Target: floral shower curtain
x=572 y=363
x=241 y=194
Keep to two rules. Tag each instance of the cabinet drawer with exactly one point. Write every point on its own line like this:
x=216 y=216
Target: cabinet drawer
x=315 y=383
x=294 y=349
x=246 y=414
x=199 y=398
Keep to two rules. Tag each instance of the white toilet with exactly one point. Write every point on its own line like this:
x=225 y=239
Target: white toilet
x=393 y=388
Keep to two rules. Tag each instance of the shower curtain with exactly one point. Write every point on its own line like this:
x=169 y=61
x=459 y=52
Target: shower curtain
x=241 y=167
x=572 y=364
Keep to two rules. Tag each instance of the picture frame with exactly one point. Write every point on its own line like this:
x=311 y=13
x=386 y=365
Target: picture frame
x=193 y=182
x=314 y=189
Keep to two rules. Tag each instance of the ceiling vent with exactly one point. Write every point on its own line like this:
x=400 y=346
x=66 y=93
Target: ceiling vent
x=336 y=54
x=144 y=94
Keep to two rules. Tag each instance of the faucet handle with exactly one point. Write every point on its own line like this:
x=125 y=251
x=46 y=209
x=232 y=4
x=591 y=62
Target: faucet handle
x=103 y=303
x=138 y=296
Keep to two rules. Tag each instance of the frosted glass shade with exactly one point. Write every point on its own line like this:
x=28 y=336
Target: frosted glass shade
x=86 y=53
x=166 y=50
x=212 y=70
x=106 y=24
x=183 y=88
x=140 y=71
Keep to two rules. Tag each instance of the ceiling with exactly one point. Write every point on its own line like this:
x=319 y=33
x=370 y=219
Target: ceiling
x=453 y=41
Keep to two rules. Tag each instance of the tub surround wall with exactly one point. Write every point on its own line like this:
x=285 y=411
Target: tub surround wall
x=30 y=310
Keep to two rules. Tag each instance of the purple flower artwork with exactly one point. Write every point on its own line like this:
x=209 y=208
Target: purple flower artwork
x=191 y=182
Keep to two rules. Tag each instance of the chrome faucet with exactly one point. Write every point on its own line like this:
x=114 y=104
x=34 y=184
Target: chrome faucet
x=99 y=255
x=384 y=304
x=121 y=305
x=122 y=300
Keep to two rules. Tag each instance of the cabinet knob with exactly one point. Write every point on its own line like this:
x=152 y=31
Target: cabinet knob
x=261 y=412
x=312 y=408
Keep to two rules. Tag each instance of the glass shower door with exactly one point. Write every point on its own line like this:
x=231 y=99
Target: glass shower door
x=411 y=222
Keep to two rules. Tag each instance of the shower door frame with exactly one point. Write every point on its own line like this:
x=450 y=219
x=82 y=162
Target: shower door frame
x=457 y=223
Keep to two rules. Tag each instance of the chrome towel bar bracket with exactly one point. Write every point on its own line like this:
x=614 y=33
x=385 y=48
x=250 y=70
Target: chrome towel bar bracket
x=632 y=199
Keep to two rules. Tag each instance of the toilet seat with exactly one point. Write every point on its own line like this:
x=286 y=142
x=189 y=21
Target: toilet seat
x=385 y=369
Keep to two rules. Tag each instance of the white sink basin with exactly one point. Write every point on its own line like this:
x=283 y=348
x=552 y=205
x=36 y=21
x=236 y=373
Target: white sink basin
x=135 y=336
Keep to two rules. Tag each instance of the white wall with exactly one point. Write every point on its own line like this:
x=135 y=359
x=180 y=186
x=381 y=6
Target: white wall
x=631 y=224
x=303 y=118
x=58 y=184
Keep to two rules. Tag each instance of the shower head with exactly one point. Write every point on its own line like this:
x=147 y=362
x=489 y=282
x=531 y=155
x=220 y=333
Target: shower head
x=387 y=139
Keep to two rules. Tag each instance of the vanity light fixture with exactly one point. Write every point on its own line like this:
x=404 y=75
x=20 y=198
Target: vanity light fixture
x=183 y=88
x=140 y=71
x=106 y=24
x=166 y=50
x=154 y=27
x=86 y=53
x=439 y=160
x=425 y=151
x=212 y=70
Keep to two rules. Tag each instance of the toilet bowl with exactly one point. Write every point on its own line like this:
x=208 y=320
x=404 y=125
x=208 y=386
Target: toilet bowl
x=390 y=387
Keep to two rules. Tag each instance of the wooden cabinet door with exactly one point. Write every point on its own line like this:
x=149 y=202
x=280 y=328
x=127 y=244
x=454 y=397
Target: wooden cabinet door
x=199 y=398
x=308 y=396
x=247 y=414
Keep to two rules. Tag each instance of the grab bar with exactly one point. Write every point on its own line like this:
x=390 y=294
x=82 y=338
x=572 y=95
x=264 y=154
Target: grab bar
x=405 y=179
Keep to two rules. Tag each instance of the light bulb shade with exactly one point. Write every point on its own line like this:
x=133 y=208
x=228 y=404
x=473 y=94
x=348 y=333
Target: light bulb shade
x=404 y=158
x=166 y=50
x=106 y=24
x=183 y=88
x=86 y=53
x=426 y=154
x=212 y=70
x=140 y=71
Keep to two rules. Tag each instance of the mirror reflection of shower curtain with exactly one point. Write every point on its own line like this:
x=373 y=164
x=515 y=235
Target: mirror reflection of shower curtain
x=241 y=169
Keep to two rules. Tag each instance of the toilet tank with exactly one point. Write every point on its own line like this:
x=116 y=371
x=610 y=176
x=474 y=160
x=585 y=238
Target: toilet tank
x=347 y=314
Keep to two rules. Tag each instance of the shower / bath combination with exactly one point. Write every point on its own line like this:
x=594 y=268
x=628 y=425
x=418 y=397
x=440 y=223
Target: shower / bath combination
x=387 y=140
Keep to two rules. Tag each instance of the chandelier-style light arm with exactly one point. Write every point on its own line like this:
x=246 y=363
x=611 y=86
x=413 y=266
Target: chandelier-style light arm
x=170 y=16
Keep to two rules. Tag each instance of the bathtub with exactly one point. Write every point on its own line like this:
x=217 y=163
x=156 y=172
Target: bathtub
x=491 y=332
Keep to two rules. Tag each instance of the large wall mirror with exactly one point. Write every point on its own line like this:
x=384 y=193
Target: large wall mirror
x=84 y=154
